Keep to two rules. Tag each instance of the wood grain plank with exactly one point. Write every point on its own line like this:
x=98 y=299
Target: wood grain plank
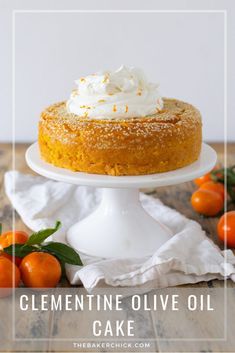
x=22 y=331
x=197 y=331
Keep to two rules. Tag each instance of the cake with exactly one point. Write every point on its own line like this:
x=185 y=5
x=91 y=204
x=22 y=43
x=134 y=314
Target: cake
x=116 y=123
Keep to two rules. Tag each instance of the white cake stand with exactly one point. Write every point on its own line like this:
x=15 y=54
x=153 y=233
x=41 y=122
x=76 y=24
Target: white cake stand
x=120 y=227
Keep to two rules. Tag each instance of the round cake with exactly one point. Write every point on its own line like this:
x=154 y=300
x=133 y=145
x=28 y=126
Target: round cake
x=91 y=138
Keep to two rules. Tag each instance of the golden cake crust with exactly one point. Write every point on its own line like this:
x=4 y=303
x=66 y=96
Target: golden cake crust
x=165 y=141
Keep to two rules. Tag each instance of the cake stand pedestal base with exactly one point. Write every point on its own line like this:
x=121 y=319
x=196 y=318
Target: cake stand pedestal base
x=119 y=227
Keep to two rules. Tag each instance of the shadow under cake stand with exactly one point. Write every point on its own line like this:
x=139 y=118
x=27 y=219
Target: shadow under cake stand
x=120 y=227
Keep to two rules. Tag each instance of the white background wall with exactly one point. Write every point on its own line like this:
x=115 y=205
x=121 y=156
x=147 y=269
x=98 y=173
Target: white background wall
x=184 y=52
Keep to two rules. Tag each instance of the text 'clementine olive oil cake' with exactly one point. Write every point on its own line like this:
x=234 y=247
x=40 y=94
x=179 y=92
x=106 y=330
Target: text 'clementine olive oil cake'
x=116 y=123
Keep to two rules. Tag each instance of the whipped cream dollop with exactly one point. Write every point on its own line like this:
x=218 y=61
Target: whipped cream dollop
x=124 y=93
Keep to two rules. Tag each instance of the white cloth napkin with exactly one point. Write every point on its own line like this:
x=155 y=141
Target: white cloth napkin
x=188 y=257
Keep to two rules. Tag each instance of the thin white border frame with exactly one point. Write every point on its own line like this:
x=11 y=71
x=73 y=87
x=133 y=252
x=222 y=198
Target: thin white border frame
x=222 y=11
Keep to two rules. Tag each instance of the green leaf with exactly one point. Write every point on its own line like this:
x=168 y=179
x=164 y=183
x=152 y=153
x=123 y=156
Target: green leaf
x=20 y=250
x=0 y=228
x=62 y=265
x=63 y=252
x=39 y=237
x=231 y=193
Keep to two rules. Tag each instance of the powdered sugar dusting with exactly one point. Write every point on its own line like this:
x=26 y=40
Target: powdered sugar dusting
x=121 y=133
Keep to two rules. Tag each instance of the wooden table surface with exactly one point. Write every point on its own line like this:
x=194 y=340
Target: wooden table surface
x=150 y=325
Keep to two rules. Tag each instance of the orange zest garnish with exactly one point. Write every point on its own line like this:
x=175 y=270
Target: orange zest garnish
x=106 y=77
x=114 y=108
x=74 y=92
x=85 y=107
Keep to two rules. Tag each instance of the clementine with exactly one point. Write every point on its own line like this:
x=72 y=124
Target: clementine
x=13 y=237
x=207 y=202
x=214 y=186
x=9 y=276
x=203 y=179
x=40 y=270
x=226 y=228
